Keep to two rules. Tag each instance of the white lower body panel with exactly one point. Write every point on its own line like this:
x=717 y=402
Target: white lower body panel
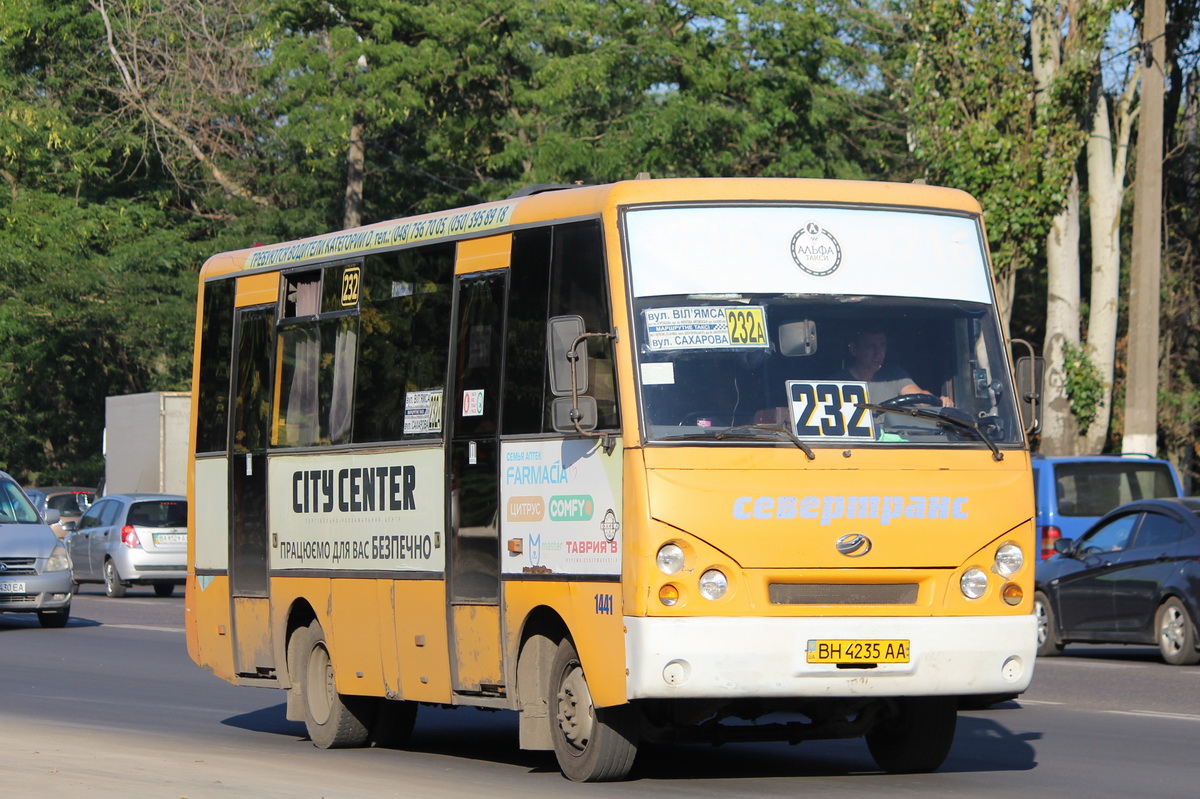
x=718 y=657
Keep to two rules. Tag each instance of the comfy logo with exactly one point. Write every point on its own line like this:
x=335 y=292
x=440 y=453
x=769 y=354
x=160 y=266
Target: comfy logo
x=577 y=508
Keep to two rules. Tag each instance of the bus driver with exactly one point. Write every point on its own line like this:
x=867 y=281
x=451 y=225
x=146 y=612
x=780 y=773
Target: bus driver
x=868 y=351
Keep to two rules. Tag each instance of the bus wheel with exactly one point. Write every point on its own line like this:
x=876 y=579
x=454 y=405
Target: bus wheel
x=333 y=721
x=1046 y=634
x=916 y=739
x=591 y=744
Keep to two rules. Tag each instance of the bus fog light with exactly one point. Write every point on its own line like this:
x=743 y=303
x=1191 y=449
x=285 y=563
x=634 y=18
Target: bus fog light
x=973 y=583
x=668 y=595
x=1012 y=593
x=713 y=584
x=1009 y=560
x=677 y=672
x=670 y=559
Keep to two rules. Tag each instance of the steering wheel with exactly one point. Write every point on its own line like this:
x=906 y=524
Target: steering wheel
x=909 y=400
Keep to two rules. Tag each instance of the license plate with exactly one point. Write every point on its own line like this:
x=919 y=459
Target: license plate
x=855 y=650
x=12 y=588
x=170 y=538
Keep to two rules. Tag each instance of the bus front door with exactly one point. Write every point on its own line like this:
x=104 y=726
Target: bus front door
x=473 y=572
x=249 y=565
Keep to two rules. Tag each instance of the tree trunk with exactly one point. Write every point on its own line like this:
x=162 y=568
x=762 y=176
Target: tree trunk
x=1062 y=254
x=1141 y=395
x=1059 y=428
x=1106 y=158
x=355 y=161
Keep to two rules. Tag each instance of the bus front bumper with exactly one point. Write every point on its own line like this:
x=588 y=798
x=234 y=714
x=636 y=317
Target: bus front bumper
x=719 y=657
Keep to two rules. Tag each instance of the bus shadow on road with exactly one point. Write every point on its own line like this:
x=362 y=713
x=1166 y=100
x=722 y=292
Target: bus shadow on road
x=982 y=744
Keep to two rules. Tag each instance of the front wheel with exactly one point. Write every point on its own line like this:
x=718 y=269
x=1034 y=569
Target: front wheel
x=1047 y=635
x=917 y=738
x=333 y=721
x=113 y=586
x=1176 y=634
x=592 y=744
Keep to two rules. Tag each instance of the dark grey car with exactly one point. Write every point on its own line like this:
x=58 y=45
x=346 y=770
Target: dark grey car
x=35 y=571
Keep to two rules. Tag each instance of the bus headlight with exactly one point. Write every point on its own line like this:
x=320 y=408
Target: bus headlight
x=1009 y=560
x=713 y=584
x=974 y=583
x=670 y=558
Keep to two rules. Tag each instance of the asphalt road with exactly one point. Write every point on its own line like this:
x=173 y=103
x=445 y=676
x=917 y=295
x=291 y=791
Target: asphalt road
x=112 y=707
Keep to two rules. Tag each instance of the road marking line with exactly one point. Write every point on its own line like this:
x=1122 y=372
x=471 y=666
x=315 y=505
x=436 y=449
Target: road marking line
x=145 y=627
x=1024 y=701
x=1155 y=714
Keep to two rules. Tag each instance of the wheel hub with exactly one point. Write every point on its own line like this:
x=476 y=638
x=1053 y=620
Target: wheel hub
x=575 y=715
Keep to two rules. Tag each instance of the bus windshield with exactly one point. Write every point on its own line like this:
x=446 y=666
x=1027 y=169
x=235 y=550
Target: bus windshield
x=841 y=353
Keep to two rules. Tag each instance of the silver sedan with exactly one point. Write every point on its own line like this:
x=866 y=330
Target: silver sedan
x=35 y=572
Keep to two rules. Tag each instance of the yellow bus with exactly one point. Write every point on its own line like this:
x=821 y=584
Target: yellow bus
x=644 y=461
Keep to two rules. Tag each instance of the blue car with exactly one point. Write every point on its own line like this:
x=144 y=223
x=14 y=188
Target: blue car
x=1133 y=578
x=1072 y=493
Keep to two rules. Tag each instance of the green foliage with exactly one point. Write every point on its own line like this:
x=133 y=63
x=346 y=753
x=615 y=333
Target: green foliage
x=977 y=125
x=1084 y=386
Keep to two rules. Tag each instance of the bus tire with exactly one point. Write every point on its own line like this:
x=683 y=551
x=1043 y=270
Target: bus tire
x=333 y=721
x=393 y=724
x=917 y=738
x=1176 y=634
x=1047 y=628
x=591 y=744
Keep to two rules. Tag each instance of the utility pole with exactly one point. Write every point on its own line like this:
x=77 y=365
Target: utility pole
x=1141 y=374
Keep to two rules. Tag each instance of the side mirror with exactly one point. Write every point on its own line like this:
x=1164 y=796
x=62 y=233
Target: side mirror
x=69 y=525
x=562 y=410
x=561 y=334
x=51 y=516
x=1064 y=546
x=1030 y=371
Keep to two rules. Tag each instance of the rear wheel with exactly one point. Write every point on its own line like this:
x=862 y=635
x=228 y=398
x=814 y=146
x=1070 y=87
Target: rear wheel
x=333 y=721
x=54 y=618
x=917 y=738
x=591 y=744
x=1048 y=645
x=164 y=589
x=113 y=586
x=1176 y=634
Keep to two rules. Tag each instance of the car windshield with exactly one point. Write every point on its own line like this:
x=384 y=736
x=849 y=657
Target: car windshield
x=70 y=504
x=834 y=326
x=15 y=505
x=158 y=513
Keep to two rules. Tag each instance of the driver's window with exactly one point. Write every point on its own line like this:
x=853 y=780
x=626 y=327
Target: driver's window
x=1112 y=537
x=92 y=517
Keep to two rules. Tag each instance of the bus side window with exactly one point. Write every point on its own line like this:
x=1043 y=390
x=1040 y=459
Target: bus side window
x=579 y=285
x=216 y=355
x=555 y=271
x=404 y=341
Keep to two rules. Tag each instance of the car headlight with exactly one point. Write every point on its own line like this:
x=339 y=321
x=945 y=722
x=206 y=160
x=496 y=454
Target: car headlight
x=59 y=560
x=974 y=583
x=713 y=584
x=670 y=558
x=1009 y=559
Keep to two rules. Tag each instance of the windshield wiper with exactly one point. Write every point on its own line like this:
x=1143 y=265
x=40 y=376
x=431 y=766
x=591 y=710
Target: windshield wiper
x=750 y=432
x=939 y=415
